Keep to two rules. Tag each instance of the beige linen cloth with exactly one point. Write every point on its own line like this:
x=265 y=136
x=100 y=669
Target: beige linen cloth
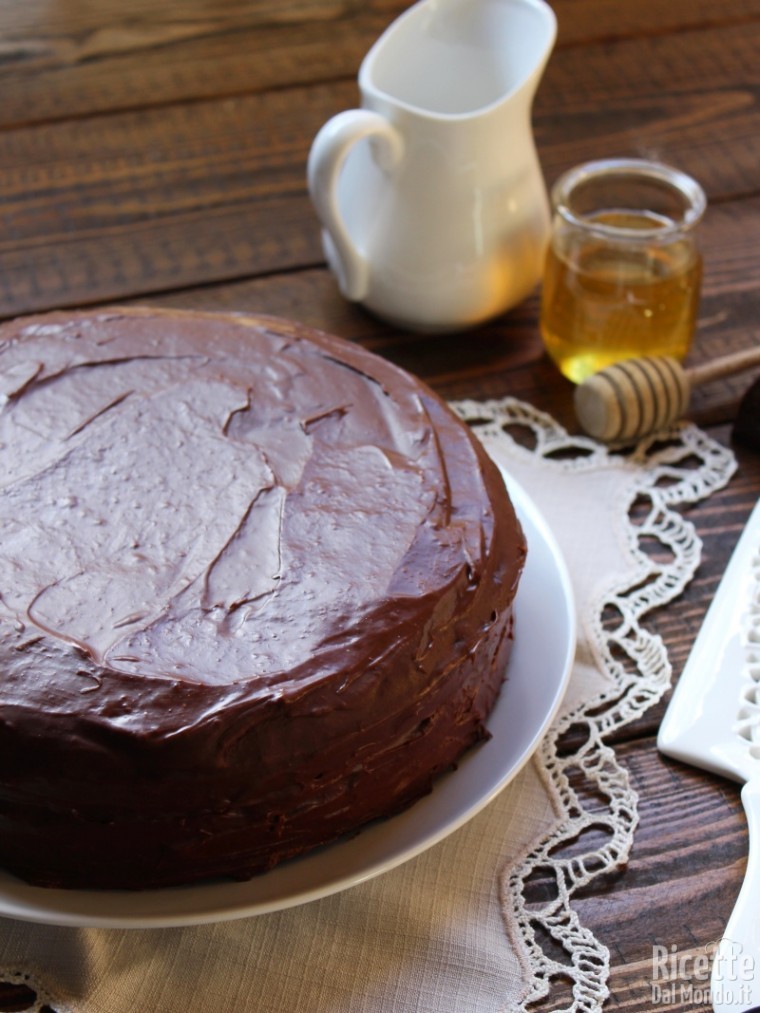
x=452 y=931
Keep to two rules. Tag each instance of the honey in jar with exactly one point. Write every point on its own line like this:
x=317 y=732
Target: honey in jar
x=623 y=272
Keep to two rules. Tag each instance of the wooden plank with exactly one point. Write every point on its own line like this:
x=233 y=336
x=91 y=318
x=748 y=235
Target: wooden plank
x=583 y=21
x=59 y=61
x=680 y=98
x=156 y=200
x=159 y=199
x=113 y=244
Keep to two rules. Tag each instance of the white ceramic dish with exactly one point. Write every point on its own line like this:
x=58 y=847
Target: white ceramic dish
x=539 y=670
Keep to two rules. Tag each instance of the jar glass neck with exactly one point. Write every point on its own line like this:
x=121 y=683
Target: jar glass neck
x=629 y=198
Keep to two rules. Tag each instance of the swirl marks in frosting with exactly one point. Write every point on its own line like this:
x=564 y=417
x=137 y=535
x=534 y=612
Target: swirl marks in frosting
x=157 y=497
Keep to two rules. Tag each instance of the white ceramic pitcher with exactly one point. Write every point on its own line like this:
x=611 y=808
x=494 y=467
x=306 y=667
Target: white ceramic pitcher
x=432 y=202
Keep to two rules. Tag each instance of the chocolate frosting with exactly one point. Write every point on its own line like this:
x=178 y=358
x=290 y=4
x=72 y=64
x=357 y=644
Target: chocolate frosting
x=255 y=590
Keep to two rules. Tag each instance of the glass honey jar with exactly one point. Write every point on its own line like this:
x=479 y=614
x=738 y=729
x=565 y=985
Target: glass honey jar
x=623 y=270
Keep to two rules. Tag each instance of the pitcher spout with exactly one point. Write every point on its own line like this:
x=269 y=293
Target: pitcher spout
x=460 y=57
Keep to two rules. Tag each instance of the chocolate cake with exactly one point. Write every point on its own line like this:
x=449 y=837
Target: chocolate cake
x=256 y=590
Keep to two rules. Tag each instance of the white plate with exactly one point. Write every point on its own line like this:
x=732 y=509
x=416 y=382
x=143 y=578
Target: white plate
x=539 y=670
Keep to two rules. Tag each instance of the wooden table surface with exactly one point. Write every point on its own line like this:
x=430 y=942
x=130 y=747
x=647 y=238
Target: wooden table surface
x=155 y=153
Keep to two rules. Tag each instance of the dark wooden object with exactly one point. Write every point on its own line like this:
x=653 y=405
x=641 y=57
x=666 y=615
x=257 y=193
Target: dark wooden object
x=156 y=153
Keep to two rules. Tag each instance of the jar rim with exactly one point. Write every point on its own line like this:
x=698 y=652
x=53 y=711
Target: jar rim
x=692 y=194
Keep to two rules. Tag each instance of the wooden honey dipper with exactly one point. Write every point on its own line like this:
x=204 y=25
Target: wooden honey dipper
x=636 y=397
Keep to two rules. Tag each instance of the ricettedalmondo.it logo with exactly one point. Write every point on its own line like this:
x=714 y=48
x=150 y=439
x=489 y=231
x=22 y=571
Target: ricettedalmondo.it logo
x=683 y=977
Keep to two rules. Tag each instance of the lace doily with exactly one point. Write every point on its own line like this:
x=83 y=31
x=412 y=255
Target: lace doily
x=23 y=992
x=676 y=467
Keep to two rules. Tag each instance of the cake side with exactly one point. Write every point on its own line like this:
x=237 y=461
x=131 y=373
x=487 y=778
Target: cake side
x=256 y=590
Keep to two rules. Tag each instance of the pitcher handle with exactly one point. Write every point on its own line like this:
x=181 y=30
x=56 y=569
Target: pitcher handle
x=329 y=151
